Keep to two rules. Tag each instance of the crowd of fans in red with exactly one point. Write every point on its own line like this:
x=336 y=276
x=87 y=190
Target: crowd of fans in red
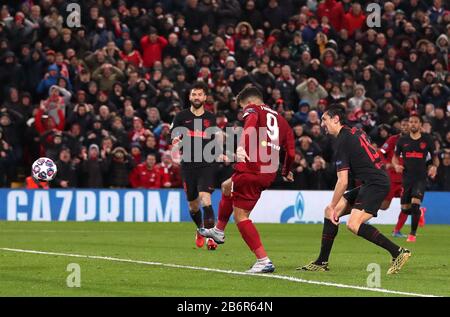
x=99 y=98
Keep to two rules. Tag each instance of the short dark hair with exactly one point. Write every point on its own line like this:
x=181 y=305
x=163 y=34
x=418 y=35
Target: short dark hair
x=200 y=85
x=417 y=115
x=249 y=92
x=337 y=110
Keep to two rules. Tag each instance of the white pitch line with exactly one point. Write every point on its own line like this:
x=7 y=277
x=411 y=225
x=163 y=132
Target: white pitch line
x=273 y=276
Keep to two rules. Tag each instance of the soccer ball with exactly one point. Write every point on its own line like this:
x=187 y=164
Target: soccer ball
x=44 y=169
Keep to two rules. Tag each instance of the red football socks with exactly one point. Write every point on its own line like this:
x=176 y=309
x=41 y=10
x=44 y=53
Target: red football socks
x=251 y=237
x=401 y=221
x=225 y=212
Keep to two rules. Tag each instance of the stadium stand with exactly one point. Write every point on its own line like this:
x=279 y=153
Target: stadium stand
x=100 y=97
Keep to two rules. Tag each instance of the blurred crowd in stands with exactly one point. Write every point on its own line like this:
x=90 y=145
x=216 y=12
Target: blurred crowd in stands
x=99 y=98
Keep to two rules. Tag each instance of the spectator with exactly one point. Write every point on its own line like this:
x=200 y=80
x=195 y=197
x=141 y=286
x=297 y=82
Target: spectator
x=228 y=12
x=308 y=148
x=443 y=174
x=67 y=176
x=11 y=73
x=118 y=133
x=130 y=55
x=136 y=153
x=354 y=19
x=274 y=16
x=81 y=115
x=239 y=80
x=311 y=91
x=193 y=16
x=320 y=175
x=173 y=48
x=6 y=158
x=251 y=15
x=356 y=101
x=147 y=174
x=286 y=84
x=328 y=8
x=262 y=77
x=170 y=172
x=106 y=76
x=300 y=167
x=100 y=36
x=93 y=167
x=152 y=47
x=118 y=166
x=81 y=89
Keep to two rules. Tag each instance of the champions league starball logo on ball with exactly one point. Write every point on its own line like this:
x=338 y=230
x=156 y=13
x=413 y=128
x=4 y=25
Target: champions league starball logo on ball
x=44 y=170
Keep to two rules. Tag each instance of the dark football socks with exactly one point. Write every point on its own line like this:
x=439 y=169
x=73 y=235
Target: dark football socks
x=196 y=216
x=415 y=217
x=329 y=232
x=208 y=217
x=372 y=234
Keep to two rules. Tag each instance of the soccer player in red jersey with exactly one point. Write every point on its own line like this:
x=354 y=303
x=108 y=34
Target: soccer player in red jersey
x=388 y=151
x=258 y=155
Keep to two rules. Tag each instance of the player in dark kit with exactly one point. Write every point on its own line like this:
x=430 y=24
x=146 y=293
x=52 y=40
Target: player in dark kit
x=258 y=155
x=354 y=154
x=413 y=148
x=189 y=134
x=388 y=151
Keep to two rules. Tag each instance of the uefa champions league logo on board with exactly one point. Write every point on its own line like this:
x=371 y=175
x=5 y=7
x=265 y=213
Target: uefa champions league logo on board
x=294 y=214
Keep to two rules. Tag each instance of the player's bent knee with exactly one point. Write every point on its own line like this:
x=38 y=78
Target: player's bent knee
x=327 y=213
x=205 y=198
x=194 y=205
x=226 y=187
x=240 y=215
x=353 y=226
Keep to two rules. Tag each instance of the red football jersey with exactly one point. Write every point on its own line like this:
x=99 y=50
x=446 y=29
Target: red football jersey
x=142 y=177
x=388 y=150
x=265 y=134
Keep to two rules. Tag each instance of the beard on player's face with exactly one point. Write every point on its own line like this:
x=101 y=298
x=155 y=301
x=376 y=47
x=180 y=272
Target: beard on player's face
x=197 y=103
x=414 y=129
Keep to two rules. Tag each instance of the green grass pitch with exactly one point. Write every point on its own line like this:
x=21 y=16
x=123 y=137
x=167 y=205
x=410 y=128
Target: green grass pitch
x=288 y=245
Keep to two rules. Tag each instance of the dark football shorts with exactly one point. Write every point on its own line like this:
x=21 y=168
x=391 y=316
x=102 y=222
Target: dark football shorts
x=413 y=189
x=367 y=197
x=246 y=188
x=198 y=180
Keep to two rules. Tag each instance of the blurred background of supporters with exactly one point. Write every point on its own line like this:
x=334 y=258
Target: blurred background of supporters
x=99 y=99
